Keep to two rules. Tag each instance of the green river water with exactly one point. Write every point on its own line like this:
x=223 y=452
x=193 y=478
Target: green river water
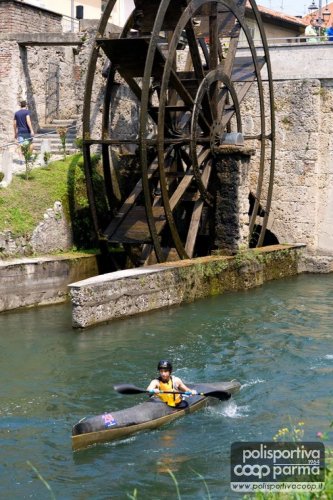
x=276 y=340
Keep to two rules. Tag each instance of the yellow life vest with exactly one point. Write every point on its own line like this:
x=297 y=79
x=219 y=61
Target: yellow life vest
x=169 y=399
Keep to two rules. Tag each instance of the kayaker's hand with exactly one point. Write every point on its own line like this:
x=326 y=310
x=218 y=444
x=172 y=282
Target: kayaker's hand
x=194 y=392
x=154 y=391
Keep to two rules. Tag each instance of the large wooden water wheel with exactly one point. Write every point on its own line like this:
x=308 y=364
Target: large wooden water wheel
x=182 y=62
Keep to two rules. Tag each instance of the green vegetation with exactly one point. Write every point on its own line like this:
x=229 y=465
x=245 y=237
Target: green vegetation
x=78 y=143
x=135 y=495
x=286 y=121
x=24 y=202
x=47 y=157
x=249 y=256
x=40 y=477
x=29 y=158
x=295 y=433
x=62 y=131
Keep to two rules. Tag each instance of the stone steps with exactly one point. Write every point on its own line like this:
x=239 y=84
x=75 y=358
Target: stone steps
x=49 y=132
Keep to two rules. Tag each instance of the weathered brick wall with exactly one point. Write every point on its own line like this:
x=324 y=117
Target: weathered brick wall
x=10 y=82
x=19 y=17
x=5 y=61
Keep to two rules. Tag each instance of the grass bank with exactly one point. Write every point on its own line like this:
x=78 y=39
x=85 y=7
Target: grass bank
x=24 y=202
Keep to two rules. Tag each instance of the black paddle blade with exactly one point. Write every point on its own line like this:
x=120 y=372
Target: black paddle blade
x=223 y=396
x=128 y=389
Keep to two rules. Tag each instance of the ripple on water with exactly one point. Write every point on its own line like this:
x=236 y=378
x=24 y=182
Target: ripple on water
x=230 y=410
x=251 y=382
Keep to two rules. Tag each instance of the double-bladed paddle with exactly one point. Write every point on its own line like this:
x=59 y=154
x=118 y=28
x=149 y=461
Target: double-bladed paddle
x=132 y=389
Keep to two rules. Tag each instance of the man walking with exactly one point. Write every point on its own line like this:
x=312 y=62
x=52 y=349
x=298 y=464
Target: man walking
x=23 y=130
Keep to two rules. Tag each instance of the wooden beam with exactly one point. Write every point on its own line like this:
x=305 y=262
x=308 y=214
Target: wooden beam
x=196 y=215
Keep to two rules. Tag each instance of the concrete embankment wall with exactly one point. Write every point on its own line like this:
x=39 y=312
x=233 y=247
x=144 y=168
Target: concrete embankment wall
x=125 y=293
x=39 y=281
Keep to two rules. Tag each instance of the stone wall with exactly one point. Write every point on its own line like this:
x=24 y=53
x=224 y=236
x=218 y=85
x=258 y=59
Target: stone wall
x=83 y=58
x=41 y=281
x=134 y=291
x=10 y=88
x=19 y=17
x=295 y=203
x=53 y=234
x=124 y=111
x=24 y=75
x=26 y=70
x=302 y=205
x=231 y=186
x=37 y=67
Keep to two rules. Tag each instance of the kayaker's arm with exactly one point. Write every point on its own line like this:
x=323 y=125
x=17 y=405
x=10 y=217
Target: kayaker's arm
x=182 y=387
x=153 y=387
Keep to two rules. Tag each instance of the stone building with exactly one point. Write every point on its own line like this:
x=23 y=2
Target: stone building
x=279 y=27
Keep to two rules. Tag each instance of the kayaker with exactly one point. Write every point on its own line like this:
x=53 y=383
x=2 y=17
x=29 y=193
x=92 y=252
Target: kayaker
x=168 y=382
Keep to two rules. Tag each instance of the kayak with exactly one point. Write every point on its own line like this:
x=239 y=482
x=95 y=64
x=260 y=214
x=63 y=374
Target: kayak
x=148 y=415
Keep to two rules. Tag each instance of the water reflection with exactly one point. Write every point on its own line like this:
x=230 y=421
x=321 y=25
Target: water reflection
x=171 y=463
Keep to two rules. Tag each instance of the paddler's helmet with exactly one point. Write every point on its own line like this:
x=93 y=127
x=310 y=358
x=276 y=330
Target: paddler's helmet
x=164 y=364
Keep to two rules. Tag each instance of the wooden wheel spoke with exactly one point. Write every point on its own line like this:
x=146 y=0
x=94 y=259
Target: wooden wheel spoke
x=196 y=215
x=202 y=156
x=188 y=100
x=198 y=69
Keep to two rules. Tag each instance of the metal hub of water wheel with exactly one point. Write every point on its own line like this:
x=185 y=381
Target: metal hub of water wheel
x=183 y=63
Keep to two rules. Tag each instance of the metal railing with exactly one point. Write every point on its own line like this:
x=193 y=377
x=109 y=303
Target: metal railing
x=70 y=24
x=36 y=136
x=280 y=41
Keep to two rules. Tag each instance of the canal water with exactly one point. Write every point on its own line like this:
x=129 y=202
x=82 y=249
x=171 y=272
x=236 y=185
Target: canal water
x=276 y=340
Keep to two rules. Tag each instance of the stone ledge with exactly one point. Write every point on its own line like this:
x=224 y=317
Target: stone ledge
x=125 y=293
x=43 y=280
x=44 y=39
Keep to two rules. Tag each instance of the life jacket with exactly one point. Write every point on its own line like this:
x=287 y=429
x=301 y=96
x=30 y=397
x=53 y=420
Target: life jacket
x=169 y=399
